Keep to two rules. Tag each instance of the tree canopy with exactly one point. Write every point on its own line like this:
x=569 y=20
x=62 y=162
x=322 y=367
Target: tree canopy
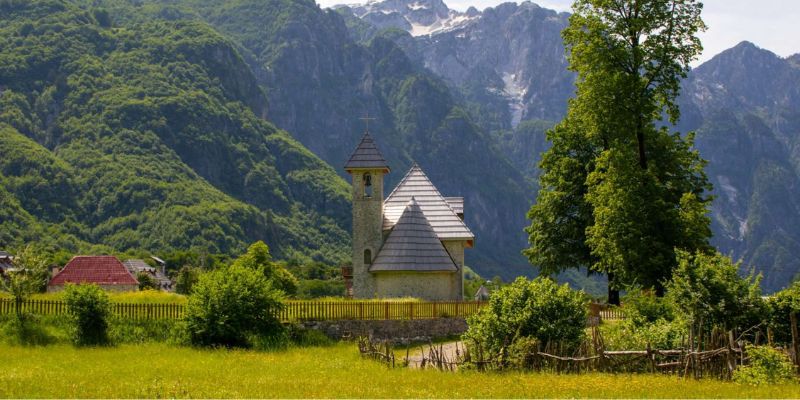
x=619 y=190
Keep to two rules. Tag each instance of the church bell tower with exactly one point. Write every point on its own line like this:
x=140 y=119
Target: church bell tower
x=367 y=168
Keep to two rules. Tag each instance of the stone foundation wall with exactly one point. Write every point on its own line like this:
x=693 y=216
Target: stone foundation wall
x=398 y=331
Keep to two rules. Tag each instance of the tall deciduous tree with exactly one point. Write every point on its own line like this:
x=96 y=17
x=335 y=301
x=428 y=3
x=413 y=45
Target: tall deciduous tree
x=619 y=192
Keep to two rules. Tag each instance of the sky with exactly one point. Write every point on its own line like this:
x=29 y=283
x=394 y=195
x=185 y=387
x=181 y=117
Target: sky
x=770 y=24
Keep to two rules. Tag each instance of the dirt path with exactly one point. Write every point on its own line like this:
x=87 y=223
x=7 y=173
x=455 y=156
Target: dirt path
x=449 y=349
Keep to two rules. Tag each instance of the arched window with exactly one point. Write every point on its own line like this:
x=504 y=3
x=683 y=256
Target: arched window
x=367 y=185
x=367 y=257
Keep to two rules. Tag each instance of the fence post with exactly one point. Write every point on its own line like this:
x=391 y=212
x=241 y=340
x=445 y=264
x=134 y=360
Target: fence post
x=795 y=338
x=386 y=305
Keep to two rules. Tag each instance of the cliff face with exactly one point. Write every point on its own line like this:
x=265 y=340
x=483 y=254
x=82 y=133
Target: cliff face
x=745 y=105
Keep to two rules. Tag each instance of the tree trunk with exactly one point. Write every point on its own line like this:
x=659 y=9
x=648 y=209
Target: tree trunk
x=613 y=293
x=640 y=141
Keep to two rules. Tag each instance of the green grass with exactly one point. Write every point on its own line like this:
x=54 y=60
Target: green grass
x=158 y=370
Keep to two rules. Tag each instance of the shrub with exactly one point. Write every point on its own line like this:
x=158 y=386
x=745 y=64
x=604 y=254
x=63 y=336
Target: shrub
x=767 y=366
x=708 y=290
x=258 y=258
x=146 y=281
x=89 y=309
x=538 y=309
x=185 y=280
x=631 y=335
x=229 y=306
x=644 y=307
x=781 y=305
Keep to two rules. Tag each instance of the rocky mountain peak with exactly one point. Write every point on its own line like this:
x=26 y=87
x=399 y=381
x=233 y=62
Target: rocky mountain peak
x=417 y=17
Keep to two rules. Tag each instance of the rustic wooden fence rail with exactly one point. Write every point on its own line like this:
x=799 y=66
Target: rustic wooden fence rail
x=297 y=310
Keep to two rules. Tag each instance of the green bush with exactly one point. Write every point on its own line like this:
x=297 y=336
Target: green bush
x=185 y=280
x=539 y=309
x=643 y=307
x=233 y=307
x=631 y=335
x=767 y=366
x=258 y=258
x=781 y=305
x=146 y=281
x=89 y=309
x=708 y=291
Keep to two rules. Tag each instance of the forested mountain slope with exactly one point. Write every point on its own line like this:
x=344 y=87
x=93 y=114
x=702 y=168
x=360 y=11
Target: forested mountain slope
x=319 y=82
x=149 y=136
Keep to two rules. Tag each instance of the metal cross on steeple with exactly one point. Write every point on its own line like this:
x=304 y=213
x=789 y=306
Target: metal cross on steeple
x=366 y=120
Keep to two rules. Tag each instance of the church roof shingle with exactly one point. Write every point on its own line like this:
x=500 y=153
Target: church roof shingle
x=413 y=246
x=437 y=210
x=366 y=155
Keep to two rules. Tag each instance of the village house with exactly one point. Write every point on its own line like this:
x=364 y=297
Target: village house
x=135 y=267
x=105 y=271
x=6 y=262
x=412 y=243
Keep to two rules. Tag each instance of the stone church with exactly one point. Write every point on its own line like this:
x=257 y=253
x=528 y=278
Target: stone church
x=410 y=244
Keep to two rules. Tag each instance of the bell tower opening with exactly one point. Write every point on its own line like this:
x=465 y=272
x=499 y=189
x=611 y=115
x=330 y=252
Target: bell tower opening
x=367 y=257
x=367 y=185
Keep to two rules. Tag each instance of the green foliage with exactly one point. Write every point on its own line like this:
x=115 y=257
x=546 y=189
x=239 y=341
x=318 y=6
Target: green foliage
x=618 y=194
x=89 y=310
x=767 y=366
x=28 y=277
x=146 y=281
x=25 y=330
x=629 y=335
x=186 y=279
x=258 y=258
x=781 y=305
x=233 y=307
x=539 y=309
x=708 y=291
x=643 y=307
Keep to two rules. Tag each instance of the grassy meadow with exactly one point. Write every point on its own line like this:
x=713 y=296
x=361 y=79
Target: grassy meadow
x=159 y=370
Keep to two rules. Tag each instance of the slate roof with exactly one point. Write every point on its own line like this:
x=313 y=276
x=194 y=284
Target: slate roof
x=366 y=155
x=456 y=203
x=413 y=245
x=136 y=266
x=437 y=210
x=102 y=270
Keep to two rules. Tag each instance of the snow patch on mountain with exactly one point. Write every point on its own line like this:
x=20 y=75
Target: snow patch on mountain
x=514 y=91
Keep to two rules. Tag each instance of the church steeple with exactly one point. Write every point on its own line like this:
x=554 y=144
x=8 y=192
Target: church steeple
x=367 y=167
x=367 y=156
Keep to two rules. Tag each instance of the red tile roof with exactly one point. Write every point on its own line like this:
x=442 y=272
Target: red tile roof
x=102 y=270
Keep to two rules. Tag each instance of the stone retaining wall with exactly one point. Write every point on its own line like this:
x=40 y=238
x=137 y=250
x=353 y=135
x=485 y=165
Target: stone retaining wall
x=398 y=331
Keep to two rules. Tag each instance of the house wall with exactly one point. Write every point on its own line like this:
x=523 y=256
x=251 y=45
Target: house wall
x=456 y=251
x=109 y=288
x=421 y=285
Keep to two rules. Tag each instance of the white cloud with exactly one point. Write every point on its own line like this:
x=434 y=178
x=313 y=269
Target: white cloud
x=770 y=24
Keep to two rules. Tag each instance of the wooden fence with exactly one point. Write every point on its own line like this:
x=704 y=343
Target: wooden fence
x=294 y=310
x=127 y=310
x=300 y=310
x=376 y=310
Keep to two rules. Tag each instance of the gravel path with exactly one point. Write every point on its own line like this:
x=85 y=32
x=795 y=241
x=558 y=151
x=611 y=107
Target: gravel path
x=450 y=350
